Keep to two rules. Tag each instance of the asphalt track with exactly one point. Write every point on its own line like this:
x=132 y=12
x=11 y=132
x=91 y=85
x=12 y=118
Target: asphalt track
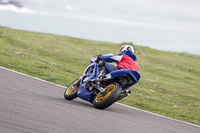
x=31 y=105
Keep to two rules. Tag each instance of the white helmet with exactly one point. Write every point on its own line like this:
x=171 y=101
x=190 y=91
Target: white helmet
x=124 y=48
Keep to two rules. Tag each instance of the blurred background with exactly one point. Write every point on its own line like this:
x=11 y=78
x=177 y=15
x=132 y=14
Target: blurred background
x=169 y=25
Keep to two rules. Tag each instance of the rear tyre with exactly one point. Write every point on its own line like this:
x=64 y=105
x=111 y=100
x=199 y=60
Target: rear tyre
x=102 y=101
x=71 y=91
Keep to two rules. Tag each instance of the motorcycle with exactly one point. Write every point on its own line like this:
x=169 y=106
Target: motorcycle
x=101 y=88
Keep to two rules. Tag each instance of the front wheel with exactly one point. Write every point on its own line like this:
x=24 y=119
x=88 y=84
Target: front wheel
x=105 y=99
x=71 y=91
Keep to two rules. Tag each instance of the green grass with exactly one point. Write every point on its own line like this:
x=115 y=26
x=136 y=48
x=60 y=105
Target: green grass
x=170 y=82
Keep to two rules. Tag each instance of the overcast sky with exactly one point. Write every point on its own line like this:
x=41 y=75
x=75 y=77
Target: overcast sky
x=171 y=25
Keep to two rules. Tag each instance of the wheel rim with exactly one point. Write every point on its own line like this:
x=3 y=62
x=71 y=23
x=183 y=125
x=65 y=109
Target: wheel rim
x=101 y=98
x=71 y=90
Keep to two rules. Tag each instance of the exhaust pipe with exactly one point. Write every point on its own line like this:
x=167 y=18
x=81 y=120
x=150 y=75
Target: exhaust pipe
x=124 y=94
x=128 y=92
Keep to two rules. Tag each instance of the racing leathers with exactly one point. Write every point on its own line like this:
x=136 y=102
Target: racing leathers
x=126 y=60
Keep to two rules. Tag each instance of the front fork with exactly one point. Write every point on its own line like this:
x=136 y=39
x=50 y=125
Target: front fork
x=77 y=83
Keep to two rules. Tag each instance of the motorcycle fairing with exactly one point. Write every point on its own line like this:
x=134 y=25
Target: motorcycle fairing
x=89 y=72
x=121 y=72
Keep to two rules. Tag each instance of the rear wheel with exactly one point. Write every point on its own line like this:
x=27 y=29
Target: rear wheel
x=71 y=91
x=107 y=98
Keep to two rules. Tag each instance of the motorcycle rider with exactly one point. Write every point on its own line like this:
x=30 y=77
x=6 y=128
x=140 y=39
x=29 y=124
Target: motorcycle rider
x=126 y=59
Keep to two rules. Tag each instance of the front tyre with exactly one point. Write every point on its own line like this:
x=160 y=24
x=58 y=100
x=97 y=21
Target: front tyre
x=71 y=91
x=104 y=100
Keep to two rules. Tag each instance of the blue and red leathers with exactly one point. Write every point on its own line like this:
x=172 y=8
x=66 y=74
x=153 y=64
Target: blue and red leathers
x=126 y=60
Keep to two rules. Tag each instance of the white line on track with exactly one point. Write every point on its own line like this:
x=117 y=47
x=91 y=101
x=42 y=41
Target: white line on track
x=116 y=102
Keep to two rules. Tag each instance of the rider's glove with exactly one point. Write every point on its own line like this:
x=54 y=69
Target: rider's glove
x=98 y=58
